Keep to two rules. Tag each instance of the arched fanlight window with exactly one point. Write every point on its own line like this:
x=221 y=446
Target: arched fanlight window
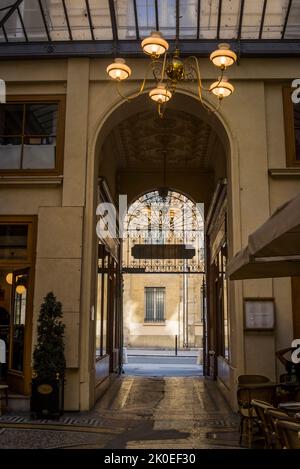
x=167 y=229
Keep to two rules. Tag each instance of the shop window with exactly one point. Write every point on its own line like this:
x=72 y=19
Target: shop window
x=31 y=135
x=292 y=128
x=102 y=305
x=154 y=304
x=221 y=298
x=17 y=241
x=19 y=306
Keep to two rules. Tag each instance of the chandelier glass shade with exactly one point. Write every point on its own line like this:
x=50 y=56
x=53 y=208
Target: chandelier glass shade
x=155 y=45
x=160 y=94
x=222 y=88
x=118 y=70
x=170 y=72
x=223 y=57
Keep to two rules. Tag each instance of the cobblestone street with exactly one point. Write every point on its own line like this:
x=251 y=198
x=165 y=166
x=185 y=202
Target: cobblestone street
x=138 y=412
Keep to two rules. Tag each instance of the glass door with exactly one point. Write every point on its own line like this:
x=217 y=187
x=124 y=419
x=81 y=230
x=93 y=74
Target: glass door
x=19 y=306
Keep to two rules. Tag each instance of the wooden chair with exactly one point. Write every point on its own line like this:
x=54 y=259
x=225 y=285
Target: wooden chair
x=260 y=408
x=246 y=410
x=252 y=379
x=289 y=431
x=273 y=416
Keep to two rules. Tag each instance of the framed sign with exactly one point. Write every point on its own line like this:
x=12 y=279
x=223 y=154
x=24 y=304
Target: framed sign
x=259 y=314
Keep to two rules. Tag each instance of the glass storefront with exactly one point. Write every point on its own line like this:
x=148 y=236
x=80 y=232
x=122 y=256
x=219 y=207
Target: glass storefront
x=16 y=266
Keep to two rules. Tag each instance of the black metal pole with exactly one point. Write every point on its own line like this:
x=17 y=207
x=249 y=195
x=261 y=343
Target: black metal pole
x=176 y=345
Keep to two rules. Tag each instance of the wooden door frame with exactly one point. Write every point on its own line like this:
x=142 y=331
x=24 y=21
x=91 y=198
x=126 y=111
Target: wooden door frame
x=214 y=220
x=20 y=382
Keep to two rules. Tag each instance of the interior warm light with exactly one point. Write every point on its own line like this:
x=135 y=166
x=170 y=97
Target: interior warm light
x=9 y=278
x=170 y=72
x=160 y=94
x=20 y=289
x=155 y=45
x=118 y=70
x=222 y=89
x=223 y=57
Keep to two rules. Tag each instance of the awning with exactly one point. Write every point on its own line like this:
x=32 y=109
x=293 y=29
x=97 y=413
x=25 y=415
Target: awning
x=280 y=234
x=274 y=249
x=245 y=266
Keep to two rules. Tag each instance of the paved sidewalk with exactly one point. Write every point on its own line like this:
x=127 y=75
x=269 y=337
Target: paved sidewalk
x=162 y=365
x=158 y=352
x=137 y=413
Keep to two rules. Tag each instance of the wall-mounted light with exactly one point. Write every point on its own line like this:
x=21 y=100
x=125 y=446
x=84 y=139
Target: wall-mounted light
x=9 y=278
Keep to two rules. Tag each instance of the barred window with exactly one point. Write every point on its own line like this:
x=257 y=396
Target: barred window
x=155 y=304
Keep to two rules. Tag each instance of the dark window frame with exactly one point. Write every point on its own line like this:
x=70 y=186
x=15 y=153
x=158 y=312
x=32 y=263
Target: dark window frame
x=289 y=126
x=60 y=133
x=155 y=320
x=103 y=270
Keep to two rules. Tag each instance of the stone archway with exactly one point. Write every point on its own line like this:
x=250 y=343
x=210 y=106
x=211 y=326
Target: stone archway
x=113 y=115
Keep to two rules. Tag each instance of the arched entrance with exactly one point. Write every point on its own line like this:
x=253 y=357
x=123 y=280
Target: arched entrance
x=129 y=159
x=163 y=277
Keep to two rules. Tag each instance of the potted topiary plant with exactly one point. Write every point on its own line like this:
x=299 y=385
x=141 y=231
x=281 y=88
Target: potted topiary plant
x=47 y=387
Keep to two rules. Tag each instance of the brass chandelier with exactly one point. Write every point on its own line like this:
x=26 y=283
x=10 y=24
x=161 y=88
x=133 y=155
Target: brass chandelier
x=170 y=72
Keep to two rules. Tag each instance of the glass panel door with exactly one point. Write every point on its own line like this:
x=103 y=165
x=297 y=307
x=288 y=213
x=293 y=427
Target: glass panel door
x=18 y=318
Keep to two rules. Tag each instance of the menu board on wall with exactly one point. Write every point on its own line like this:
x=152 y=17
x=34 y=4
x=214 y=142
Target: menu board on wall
x=259 y=313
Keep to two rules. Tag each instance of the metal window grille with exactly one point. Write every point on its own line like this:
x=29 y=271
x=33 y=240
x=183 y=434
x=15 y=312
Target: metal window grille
x=155 y=304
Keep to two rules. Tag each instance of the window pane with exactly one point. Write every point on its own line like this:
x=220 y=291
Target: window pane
x=56 y=20
x=13 y=241
x=105 y=310
x=5 y=5
x=98 y=317
x=167 y=18
x=125 y=19
x=274 y=19
x=19 y=319
x=155 y=304
x=293 y=26
x=13 y=27
x=40 y=154
x=101 y=19
x=297 y=129
x=209 y=19
x=188 y=19
x=146 y=17
x=41 y=119
x=160 y=304
x=297 y=136
x=33 y=20
x=10 y=152
x=252 y=19
x=149 y=305
x=78 y=19
x=5 y=308
x=230 y=18
x=11 y=119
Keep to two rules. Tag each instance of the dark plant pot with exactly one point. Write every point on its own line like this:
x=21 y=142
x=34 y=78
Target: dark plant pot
x=47 y=398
